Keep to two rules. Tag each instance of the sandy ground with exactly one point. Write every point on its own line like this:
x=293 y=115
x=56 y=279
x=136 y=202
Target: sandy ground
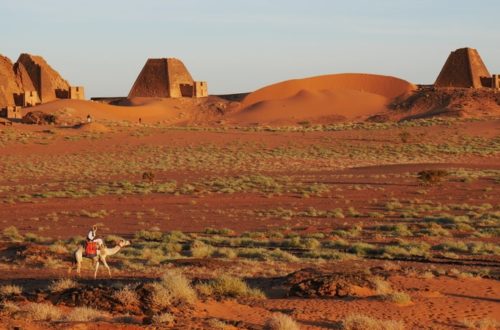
x=362 y=169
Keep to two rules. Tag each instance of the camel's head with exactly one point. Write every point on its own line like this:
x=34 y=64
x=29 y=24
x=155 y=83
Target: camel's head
x=123 y=243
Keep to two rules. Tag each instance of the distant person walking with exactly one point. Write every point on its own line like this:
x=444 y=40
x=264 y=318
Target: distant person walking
x=89 y=119
x=140 y=120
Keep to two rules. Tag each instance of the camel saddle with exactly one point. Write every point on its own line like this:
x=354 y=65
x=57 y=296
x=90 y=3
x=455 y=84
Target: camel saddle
x=91 y=249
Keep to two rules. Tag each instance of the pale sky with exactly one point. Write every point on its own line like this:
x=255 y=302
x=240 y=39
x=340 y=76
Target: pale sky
x=239 y=46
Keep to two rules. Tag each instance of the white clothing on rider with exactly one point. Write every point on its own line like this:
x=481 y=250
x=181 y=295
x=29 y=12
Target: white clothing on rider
x=92 y=238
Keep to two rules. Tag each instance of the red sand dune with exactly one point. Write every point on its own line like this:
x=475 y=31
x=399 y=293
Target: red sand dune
x=150 y=110
x=328 y=97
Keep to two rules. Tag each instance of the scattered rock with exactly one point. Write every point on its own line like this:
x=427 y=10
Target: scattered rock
x=39 y=118
x=310 y=283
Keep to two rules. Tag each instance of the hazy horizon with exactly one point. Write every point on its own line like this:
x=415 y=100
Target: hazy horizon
x=239 y=47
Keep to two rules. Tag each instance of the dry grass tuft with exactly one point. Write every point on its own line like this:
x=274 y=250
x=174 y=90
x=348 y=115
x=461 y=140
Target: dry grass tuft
x=85 y=314
x=127 y=296
x=398 y=297
x=217 y=324
x=483 y=324
x=8 y=290
x=363 y=322
x=42 y=312
x=281 y=322
x=163 y=319
x=229 y=286
x=382 y=287
x=178 y=286
x=62 y=284
x=9 y=307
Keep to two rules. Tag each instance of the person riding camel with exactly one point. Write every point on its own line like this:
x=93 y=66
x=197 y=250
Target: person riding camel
x=92 y=236
x=93 y=243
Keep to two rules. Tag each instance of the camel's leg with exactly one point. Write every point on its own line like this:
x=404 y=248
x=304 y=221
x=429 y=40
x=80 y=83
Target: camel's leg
x=106 y=265
x=78 y=261
x=96 y=268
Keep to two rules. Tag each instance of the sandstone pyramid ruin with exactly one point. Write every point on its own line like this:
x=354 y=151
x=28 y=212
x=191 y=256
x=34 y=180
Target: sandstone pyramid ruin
x=167 y=78
x=31 y=81
x=464 y=68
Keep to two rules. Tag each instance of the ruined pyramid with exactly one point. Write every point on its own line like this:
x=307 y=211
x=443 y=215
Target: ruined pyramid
x=167 y=78
x=30 y=81
x=464 y=68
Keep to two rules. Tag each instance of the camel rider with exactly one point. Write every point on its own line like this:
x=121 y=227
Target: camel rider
x=92 y=236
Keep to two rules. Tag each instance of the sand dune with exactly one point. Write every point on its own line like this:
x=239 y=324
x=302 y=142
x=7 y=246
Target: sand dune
x=150 y=110
x=329 y=97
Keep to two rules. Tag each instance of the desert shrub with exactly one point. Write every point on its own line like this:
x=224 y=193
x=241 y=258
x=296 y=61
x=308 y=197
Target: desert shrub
x=398 y=230
x=483 y=324
x=363 y=322
x=62 y=284
x=178 y=286
x=225 y=253
x=149 y=235
x=42 y=312
x=434 y=229
x=432 y=176
x=483 y=248
x=8 y=290
x=281 y=322
x=9 y=307
x=161 y=297
x=222 y=231
x=198 y=249
x=127 y=296
x=311 y=244
x=451 y=246
x=153 y=257
x=217 y=324
x=361 y=248
x=85 y=314
x=398 y=297
x=12 y=234
x=163 y=319
x=58 y=247
x=281 y=255
x=253 y=253
x=382 y=287
x=31 y=237
x=229 y=286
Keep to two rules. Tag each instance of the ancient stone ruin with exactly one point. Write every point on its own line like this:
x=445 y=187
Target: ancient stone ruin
x=168 y=78
x=464 y=68
x=29 y=82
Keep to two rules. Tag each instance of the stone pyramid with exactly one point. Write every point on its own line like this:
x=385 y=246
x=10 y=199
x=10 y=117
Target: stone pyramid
x=163 y=77
x=30 y=75
x=463 y=68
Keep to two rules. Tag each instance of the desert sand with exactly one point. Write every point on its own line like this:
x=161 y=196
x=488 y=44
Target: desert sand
x=324 y=98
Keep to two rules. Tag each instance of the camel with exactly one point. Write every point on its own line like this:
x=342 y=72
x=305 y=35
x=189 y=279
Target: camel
x=102 y=253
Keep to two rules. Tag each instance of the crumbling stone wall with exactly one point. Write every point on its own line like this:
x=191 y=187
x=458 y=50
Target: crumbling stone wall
x=76 y=93
x=200 y=89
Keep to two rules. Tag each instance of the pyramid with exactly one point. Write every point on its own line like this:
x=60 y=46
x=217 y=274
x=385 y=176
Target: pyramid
x=30 y=81
x=167 y=78
x=36 y=74
x=9 y=82
x=463 y=68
